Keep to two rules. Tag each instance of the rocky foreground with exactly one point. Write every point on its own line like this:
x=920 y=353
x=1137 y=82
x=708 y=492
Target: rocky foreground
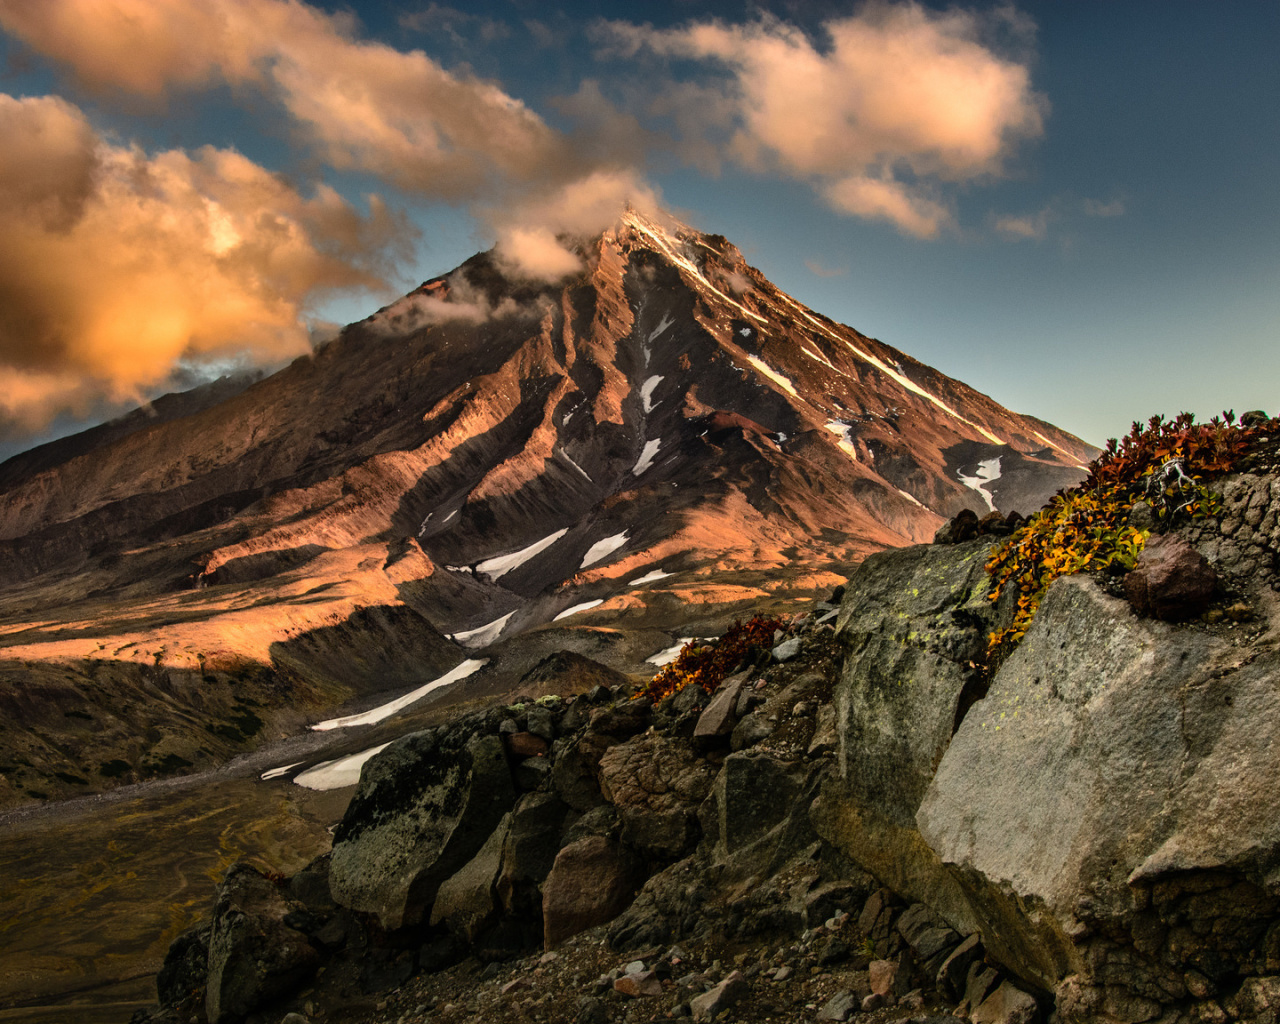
x=866 y=821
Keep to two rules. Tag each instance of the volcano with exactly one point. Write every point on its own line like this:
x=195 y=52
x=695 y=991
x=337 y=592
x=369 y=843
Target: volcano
x=488 y=470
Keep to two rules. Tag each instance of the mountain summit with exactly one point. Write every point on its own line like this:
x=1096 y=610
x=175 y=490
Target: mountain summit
x=664 y=438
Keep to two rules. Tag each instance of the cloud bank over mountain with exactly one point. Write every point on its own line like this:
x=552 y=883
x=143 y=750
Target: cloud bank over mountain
x=182 y=257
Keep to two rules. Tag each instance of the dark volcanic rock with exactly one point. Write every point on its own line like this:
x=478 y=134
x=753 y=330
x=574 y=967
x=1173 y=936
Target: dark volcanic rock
x=423 y=808
x=1172 y=580
x=254 y=956
x=592 y=881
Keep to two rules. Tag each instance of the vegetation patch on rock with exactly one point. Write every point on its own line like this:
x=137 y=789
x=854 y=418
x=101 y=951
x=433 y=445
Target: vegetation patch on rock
x=1098 y=525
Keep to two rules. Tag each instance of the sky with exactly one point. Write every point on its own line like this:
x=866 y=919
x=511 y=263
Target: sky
x=1072 y=207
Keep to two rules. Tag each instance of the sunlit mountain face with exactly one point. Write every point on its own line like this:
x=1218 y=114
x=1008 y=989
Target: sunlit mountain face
x=490 y=468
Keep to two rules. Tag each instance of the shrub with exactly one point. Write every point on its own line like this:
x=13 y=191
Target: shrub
x=1167 y=462
x=707 y=665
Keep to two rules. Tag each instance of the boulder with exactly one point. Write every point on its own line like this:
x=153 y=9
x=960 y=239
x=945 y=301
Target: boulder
x=1171 y=580
x=754 y=794
x=928 y=936
x=591 y=882
x=1117 y=779
x=914 y=623
x=424 y=807
x=254 y=957
x=466 y=902
x=656 y=783
x=528 y=851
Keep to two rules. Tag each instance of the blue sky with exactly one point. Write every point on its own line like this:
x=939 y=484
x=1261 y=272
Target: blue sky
x=1076 y=212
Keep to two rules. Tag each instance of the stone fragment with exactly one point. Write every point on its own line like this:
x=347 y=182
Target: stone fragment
x=927 y=935
x=728 y=993
x=750 y=731
x=783 y=973
x=874 y=1001
x=1006 y=1005
x=592 y=881
x=185 y=968
x=787 y=650
x=641 y=983
x=542 y=722
x=717 y=719
x=840 y=1006
x=465 y=902
x=528 y=851
x=882 y=975
x=824 y=737
x=981 y=981
x=953 y=975
x=962 y=527
x=1171 y=580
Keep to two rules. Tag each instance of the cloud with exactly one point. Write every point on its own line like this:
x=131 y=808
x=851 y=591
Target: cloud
x=119 y=266
x=535 y=238
x=1095 y=208
x=898 y=95
x=816 y=268
x=363 y=105
x=1030 y=226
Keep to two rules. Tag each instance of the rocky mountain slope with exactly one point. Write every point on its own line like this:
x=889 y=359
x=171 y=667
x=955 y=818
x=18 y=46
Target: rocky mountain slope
x=488 y=468
x=862 y=822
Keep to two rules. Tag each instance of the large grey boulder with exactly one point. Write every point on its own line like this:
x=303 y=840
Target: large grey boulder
x=254 y=957
x=424 y=807
x=914 y=622
x=1109 y=807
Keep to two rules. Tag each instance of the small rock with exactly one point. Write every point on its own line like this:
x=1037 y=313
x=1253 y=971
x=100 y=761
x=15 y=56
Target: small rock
x=591 y=1011
x=728 y=993
x=787 y=650
x=1006 y=1005
x=294 y=1018
x=635 y=967
x=514 y=985
x=1171 y=580
x=801 y=710
x=526 y=744
x=783 y=973
x=873 y=1001
x=840 y=1006
x=641 y=983
x=913 y=1000
x=883 y=973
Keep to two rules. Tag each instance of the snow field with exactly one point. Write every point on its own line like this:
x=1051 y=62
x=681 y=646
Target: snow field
x=458 y=672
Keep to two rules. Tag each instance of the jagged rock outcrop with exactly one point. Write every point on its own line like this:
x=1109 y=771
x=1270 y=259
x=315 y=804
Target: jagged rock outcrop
x=1090 y=831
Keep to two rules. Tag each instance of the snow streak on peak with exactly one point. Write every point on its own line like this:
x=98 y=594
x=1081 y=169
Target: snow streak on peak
x=781 y=380
x=844 y=432
x=647 y=455
x=484 y=635
x=468 y=667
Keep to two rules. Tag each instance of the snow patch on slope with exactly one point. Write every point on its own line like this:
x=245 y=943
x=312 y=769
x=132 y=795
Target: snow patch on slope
x=911 y=498
x=647 y=455
x=345 y=771
x=651 y=577
x=988 y=472
x=601 y=548
x=844 y=431
x=391 y=707
x=482 y=635
x=503 y=564
x=646 y=392
x=565 y=455
x=585 y=606
x=667 y=656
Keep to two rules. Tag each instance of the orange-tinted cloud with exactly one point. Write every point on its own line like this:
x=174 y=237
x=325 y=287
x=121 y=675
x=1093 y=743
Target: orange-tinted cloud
x=898 y=94
x=529 y=235
x=364 y=105
x=118 y=266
